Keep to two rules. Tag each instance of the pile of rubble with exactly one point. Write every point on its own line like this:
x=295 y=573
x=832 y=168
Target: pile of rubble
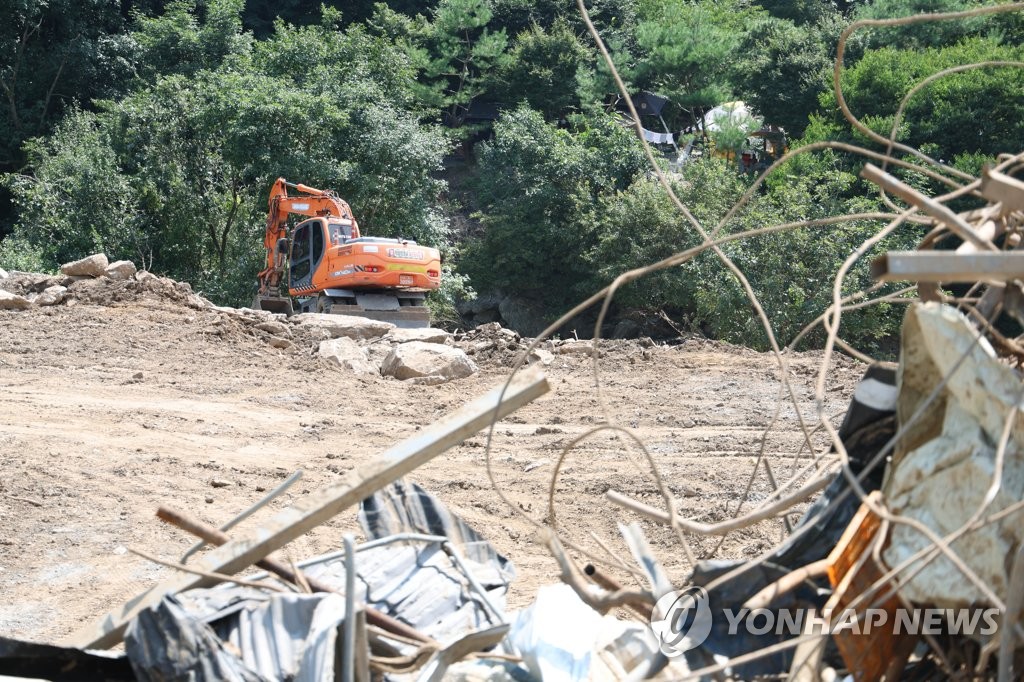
x=360 y=345
x=368 y=348
x=90 y=280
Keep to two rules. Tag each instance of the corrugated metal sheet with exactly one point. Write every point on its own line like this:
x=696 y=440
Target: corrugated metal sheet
x=407 y=508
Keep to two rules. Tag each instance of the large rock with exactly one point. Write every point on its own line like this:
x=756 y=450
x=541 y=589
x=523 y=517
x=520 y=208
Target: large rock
x=424 y=334
x=377 y=351
x=52 y=296
x=3 y=274
x=9 y=301
x=90 y=266
x=120 y=270
x=335 y=326
x=526 y=317
x=346 y=353
x=418 y=359
x=274 y=327
x=480 y=304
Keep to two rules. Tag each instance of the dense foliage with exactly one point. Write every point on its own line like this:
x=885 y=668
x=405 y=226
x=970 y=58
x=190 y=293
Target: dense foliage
x=152 y=130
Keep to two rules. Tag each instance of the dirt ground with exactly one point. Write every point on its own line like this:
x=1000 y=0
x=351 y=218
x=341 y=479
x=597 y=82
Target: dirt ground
x=113 y=407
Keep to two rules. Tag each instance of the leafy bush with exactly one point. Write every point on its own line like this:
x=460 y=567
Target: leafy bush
x=539 y=187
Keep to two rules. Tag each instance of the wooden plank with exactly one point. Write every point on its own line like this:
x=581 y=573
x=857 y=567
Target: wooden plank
x=318 y=507
x=948 y=266
x=1002 y=189
x=940 y=212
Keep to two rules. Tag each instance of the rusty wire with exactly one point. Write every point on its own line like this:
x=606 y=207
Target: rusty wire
x=818 y=470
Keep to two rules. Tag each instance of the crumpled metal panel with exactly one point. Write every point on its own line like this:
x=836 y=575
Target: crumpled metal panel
x=418 y=584
x=404 y=507
x=294 y=636
x=167 y=644
x=242 y=633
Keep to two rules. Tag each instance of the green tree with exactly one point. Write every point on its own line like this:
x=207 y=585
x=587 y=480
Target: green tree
x=539 y=186
x=685 y=50
x=55 y=52
x=800 y=12
x=782 y=69
x=972 y=112
x=189 y=37
x=460 y=55
x=917 y=36
x=543 y=70
x=176 y=174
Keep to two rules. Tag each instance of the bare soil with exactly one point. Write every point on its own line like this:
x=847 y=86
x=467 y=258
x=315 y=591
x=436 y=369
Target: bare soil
x=121 y=403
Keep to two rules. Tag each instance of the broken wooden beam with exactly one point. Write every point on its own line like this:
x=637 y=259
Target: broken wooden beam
x=1000 y=188
x=315 y=509
x=948 y=266
x=940 y=212
x=602 y=579
x=216 y=537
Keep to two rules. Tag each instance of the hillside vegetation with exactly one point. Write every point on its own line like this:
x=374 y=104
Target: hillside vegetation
x=153 y=130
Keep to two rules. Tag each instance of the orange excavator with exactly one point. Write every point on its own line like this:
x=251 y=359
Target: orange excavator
x=329 y=267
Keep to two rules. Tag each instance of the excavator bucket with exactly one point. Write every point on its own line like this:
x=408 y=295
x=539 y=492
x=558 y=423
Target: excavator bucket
x=274 y=304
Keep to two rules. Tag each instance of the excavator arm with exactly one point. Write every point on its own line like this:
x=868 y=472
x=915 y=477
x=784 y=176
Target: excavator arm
x=310 y=202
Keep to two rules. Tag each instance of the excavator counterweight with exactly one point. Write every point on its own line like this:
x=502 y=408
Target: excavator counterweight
x=329 y=267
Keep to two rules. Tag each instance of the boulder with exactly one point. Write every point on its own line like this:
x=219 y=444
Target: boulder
x=120 y=270
x=3 y=274
x=418 y=359
x=143 y=275
x=336 y=326
x=346 y=353
x=9 y=301
x=526 y=317
x=90 y=266
x=274 y=327
x=278 y=342
x=376 y=352
x=52 y=296
x=424 y=334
